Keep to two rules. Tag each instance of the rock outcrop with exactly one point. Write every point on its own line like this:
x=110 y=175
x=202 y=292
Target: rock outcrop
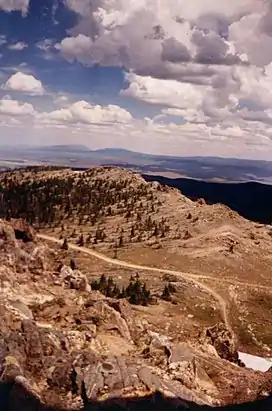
x=66 y=345
x=223 y=341
x=75 y=279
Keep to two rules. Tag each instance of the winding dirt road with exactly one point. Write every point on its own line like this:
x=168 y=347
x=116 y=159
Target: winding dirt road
x=193 y=278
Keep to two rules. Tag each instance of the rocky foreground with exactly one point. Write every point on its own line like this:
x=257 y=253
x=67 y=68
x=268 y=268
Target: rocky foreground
x=65 y=346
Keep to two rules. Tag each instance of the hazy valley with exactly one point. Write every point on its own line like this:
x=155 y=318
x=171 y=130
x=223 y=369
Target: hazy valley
x=78 y=156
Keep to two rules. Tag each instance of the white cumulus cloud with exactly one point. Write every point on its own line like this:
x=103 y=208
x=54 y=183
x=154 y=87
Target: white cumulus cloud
x=206 y=66
x=12 y=108
x=83 y=112
x=217 y=44
x=14 y=5
x=171 y=93
x=24 y=83
x=150 y=36
x=210 y=59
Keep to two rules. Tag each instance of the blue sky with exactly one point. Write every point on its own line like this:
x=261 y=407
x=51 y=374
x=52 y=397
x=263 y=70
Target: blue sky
x=165 y=76
x=51 y=20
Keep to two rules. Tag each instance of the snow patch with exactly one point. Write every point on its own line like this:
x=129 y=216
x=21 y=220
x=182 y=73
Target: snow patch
x=255 y=363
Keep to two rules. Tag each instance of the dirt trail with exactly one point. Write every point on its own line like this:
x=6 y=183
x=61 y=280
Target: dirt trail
x=186 y=276
x=234 y=281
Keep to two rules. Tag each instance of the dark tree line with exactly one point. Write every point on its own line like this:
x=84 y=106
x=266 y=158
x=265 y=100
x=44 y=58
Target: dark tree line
x=136 y=292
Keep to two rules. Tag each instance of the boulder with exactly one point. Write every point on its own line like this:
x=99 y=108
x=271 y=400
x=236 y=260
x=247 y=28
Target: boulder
x=7 y=235
x=66 y=272
x=40 y=258
x=124 y=308
x=113 y=319
x=10 y=369
x=24 y=311
x=75 y=279
x=223 y=341
x=78 y=281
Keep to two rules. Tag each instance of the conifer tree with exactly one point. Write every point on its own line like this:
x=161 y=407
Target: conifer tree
x=65 y=245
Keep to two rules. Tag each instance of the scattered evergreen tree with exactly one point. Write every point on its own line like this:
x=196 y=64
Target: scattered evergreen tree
x=156 y=231
x=167 y=291
x=59 y=267
x=121 y=241
x=60 y=200
x=81 y=241
x=65 y=245
x=103 y=283
x=136 y=292
x=172 y=288
x=149 y=223
x=115 y=251
x=73 y=235
x=166 y=295
x=72 y=264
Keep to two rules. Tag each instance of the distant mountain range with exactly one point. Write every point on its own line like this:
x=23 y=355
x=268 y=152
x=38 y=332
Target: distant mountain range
x=202 y=168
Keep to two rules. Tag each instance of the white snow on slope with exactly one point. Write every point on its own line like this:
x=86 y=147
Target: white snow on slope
x=255 y=363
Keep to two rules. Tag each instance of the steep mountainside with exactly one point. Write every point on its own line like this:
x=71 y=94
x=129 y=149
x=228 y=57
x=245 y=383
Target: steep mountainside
x=129 y=287
x=252 y=200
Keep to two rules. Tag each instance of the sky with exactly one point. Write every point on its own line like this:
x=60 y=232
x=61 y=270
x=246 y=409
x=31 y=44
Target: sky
x=173 y=77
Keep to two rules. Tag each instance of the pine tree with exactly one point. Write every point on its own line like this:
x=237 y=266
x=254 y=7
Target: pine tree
x=116 y=291
x=123 y=293
x=95 y=285
x=149 y=224
x=81 y=241
x=115 y=252
x=73 y=235
x=166 y=293
x=172 y=288
x=121 y=240
x=156 y=231
x=72 y=264
x=103 y=282
x=65 y=245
